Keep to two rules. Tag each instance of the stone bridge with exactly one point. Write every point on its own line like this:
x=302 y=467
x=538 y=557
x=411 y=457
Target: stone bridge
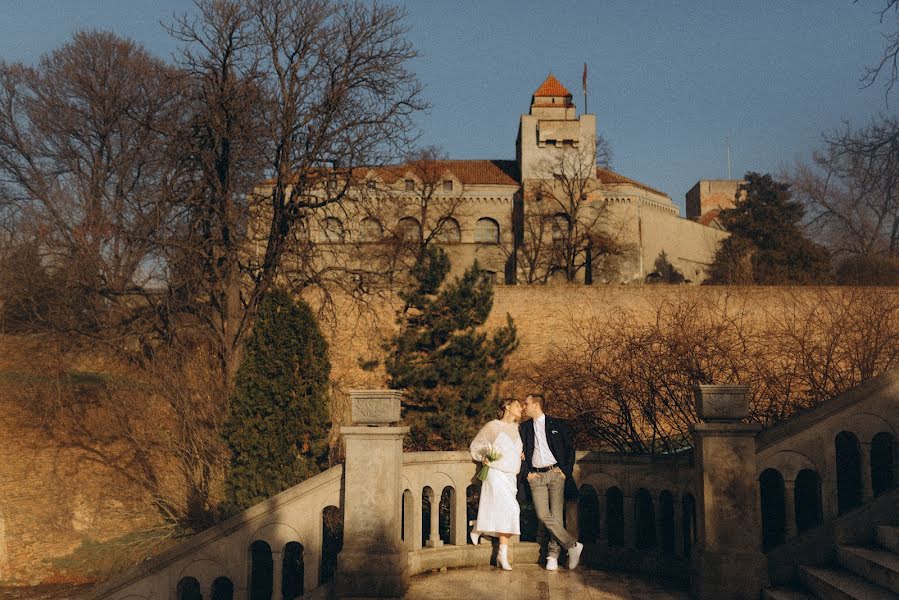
x=742 y=510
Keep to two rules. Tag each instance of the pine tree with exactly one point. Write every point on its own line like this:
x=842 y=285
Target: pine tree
x=278 y=422
x=767 y=245
x=447 y=364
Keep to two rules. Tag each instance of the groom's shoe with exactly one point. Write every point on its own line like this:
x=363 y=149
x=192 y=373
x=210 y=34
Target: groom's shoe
x=574 y=555
x=552 y=563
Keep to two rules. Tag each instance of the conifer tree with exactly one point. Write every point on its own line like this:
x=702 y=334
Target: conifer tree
x=278 y=422
x=767 y=245
x=441 y=356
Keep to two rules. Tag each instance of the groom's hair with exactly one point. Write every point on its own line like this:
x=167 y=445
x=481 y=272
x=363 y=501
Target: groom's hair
x=539 y=399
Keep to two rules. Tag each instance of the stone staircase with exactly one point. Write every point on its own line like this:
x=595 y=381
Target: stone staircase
x=860 y=573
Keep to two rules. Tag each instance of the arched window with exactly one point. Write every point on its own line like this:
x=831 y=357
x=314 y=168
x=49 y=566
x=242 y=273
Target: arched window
x=486 y=231
x=588 y=515
x=666 y=521
x=261 y=571
x=331 y=230
x=883 y=462
x=371 y=230
x=615 y=516
x=449 y=232
x=807 y=500
x=408 y=228
x=292 y=571
x=188 y=589
x=849 y=471
x=447 y=499
x=773 y=512
x=332 y=542
x=222 y=589
x=644 y=520
x=688 y=523
x=427 y=505
x=560 y=223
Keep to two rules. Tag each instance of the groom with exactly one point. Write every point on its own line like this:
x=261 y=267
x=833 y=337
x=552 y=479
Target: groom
x=547 y=466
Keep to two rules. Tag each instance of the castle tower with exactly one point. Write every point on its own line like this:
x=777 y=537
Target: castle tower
x=551 y=126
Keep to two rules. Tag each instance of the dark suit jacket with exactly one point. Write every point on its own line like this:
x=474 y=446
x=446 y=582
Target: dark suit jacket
x=561 y=444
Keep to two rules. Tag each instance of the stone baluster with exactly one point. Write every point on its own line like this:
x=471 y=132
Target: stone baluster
x=373 y=562
x=789 y=509
x=865 y=466
x=603 y=523
x=727 y=561
x=630 y=523
x=277 y=575
x=434 y=540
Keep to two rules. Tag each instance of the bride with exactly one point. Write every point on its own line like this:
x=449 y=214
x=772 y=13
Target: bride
x=498 y=510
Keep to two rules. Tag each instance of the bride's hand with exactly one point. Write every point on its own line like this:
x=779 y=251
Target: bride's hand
x=487 y=461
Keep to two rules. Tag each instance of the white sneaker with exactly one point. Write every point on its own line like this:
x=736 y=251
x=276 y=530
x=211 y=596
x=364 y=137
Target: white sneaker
x=574 y=555
x=552 y=563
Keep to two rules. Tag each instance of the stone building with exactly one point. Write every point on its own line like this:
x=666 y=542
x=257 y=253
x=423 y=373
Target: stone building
x=706 y=199
x=550 y=214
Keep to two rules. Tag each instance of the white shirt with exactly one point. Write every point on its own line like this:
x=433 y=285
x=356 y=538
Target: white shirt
x=543 y=456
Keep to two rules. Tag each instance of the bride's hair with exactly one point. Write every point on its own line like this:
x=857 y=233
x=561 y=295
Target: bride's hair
x=503 y=403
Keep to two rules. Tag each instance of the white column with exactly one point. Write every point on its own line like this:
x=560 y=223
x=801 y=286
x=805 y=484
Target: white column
x=459 y=518
x=277 y=575
x=434 y=540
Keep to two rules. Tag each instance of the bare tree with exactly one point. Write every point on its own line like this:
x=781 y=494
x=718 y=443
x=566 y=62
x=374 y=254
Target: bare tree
x=852 y=190
x=888 y=65
x=566 y=225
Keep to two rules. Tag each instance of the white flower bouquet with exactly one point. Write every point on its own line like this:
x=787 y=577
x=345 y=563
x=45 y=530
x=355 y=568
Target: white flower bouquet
x=490 y=455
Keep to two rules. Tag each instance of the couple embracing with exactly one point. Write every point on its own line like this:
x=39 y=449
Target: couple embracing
x=535 y=456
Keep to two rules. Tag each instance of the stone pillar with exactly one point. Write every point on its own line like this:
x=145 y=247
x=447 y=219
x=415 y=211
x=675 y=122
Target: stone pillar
x=373 y=563
x=434 y=540
x=867 y=484
x=789 y=509
x=603 y=523
x=630 y=523
x=459 y=520
x=277 y=575
x=677 y=507
x=727 y=561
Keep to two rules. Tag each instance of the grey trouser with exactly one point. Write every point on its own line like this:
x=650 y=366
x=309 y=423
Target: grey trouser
x=548 y=493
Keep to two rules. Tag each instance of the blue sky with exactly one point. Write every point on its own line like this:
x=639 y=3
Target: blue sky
x=668 y=81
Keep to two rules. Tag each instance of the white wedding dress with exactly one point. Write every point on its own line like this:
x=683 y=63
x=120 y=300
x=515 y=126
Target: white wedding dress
x=498 y=510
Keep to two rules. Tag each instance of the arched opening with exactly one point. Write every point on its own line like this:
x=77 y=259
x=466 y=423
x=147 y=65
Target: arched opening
x=331 y=230
x=427 y=497
x=774 y=516
x=261 y=571
x=449 y=231
x=222 y=589
x=559 y=227
x=883 y=462
x=407 y=526
x=332 y=542
x=615 y=516
x=807 y=500
x=688 y=523
x=292 y=571
x=472 y=497
x=486 y=231
x=188 y=589
x=409 y=229
x=666 y=521
x=644 y=520
x=588 y=515
x=447 y=499
x=849 y=471
x=371 y=230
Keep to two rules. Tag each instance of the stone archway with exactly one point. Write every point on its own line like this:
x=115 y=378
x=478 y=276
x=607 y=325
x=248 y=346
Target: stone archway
x=774 y=515
x=262 y=571
x=849 y=471
x=615 y=516
x=807 y=500
x=883 y=462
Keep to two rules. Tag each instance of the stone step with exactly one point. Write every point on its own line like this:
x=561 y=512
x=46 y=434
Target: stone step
x=887 y=537
x=839 y=584
x=784 y=594
x=874 y=564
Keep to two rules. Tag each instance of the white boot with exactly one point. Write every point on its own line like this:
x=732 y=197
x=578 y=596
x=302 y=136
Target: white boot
x=502 y=557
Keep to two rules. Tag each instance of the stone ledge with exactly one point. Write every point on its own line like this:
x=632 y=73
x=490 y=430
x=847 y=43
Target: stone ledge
x=454 y=557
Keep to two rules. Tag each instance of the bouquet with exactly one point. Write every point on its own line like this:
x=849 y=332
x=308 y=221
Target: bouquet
x=492 y=454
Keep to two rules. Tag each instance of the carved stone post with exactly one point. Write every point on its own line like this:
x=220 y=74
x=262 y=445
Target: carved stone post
x=373 y=562
x=434 y=540
x=727 y=562
x=865 y=466
x=277 y=574
x=789 y=509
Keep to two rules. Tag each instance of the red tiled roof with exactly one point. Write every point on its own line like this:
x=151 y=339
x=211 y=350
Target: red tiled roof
x=710 y=218
x=551 y=87
x=486 y=172
x=611 y=177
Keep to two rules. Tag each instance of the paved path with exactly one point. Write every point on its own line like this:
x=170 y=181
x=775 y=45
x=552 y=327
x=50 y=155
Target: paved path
x=531 y=582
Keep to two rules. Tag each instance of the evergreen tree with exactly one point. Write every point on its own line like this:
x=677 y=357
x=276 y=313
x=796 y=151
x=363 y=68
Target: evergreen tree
x=447 y=364
x=767 y=245
x=278 y=423
x=666 y=271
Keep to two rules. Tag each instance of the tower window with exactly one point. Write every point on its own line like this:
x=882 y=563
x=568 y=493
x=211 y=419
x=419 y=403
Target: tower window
x=410 y=185
x=447 y=185
x=550 y=142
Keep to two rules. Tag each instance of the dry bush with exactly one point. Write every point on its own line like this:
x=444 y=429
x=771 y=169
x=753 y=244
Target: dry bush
x=627 y=384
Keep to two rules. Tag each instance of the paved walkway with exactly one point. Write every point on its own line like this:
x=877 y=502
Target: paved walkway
x=531 y=582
